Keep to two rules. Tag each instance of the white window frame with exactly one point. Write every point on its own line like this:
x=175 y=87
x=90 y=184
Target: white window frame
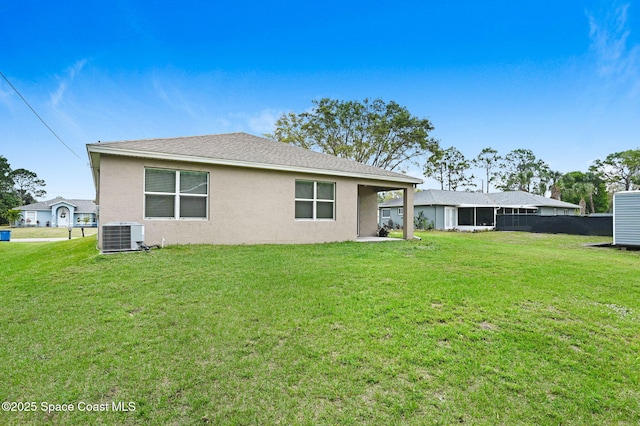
x=315 y=201
x=30 y=217
x=386 y=213
x=80 y=218
x=176 y=196
x=401 y=211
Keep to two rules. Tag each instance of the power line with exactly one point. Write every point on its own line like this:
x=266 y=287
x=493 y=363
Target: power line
x=40 y=118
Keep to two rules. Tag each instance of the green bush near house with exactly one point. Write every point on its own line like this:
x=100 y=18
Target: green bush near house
x=13 y=216
x=486 y=328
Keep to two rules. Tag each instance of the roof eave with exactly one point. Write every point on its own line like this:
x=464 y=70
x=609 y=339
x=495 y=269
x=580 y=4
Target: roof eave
x=62 y=202
x=95 y=149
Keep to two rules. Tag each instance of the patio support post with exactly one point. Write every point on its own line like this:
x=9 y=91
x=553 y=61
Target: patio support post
x=407 y=226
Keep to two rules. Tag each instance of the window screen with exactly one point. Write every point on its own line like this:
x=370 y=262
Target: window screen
x=465 y=216
x=315 y=200
x=175 y=194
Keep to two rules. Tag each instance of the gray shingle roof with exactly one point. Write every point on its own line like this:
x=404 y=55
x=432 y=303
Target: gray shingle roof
x=524 y=199
x=82 y=206
x=242 y=149
x=436 y=197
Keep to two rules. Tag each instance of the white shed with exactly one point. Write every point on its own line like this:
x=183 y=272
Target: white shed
x=626 y=218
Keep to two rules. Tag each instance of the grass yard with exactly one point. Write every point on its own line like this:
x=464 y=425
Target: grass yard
x=487 y=328
x=44 y=232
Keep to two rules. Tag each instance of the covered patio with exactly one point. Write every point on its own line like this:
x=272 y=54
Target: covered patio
x=368 y=211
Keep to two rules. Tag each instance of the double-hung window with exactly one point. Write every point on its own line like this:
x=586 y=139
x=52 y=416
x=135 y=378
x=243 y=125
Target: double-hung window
x=175 y=194
x=315 y=200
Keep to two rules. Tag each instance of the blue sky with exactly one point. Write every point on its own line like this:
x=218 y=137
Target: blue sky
x=561 y=78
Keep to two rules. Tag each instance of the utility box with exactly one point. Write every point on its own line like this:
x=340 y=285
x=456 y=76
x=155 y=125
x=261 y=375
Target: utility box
x=122 y=236
x=626 y=219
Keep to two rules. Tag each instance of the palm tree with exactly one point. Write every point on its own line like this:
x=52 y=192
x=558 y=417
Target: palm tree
x=13 y=216
x=585 y=190
x=553 y=177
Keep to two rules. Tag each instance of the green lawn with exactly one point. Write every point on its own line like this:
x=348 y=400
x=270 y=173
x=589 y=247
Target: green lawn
x=487 y=328
x=44 y=232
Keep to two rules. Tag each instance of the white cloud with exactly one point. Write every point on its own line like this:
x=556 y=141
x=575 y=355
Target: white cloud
x=176 y=98
x=616 y=59
x=6 y=96
x=264 y=121
x=57 y=97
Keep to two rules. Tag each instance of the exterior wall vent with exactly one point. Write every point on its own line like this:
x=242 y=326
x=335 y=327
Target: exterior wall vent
x=122 y=236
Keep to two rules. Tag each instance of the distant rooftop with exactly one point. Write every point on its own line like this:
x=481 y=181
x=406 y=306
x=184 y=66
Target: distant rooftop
x=516 y=199
x=81 y=206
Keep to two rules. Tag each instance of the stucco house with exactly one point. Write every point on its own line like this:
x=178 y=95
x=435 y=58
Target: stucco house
x=472 y=211
x=239 y=189
x=59 y=212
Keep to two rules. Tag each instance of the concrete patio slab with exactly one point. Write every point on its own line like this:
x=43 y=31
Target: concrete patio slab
x=376 y=239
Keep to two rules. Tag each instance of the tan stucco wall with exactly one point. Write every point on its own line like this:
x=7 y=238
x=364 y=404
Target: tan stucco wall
x=368 y=209
x=407 y=230
x=246 y=206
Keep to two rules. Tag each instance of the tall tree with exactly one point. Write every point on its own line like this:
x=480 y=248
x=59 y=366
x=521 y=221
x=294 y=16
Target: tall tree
x=436 y=167
x=553 y=177
x=488 y=159
x=8 y=198
x=27 y=185
x=577 y=185
x=377 y=133
x=6 y=181
x=388 y=195
x=620 y=170
x=521 y=170
x=548 y=182
x=449 y=167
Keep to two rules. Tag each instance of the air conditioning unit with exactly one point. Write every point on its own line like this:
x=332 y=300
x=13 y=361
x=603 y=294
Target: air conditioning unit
x=122 y=236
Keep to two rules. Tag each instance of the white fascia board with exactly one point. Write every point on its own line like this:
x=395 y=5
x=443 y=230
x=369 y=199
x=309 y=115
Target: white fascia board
x=247 y=164
x=519 y=206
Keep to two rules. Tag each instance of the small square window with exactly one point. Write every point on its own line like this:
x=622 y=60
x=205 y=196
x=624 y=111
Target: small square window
x=193 y=182
x=156 y=180
x=304 y=209
x=159 y=206
x=304 y=190
x=193 y=207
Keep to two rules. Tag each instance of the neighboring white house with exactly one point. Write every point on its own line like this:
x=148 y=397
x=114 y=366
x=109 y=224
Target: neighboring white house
x=472 y=211
x=59 y=212
x=626 y=218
